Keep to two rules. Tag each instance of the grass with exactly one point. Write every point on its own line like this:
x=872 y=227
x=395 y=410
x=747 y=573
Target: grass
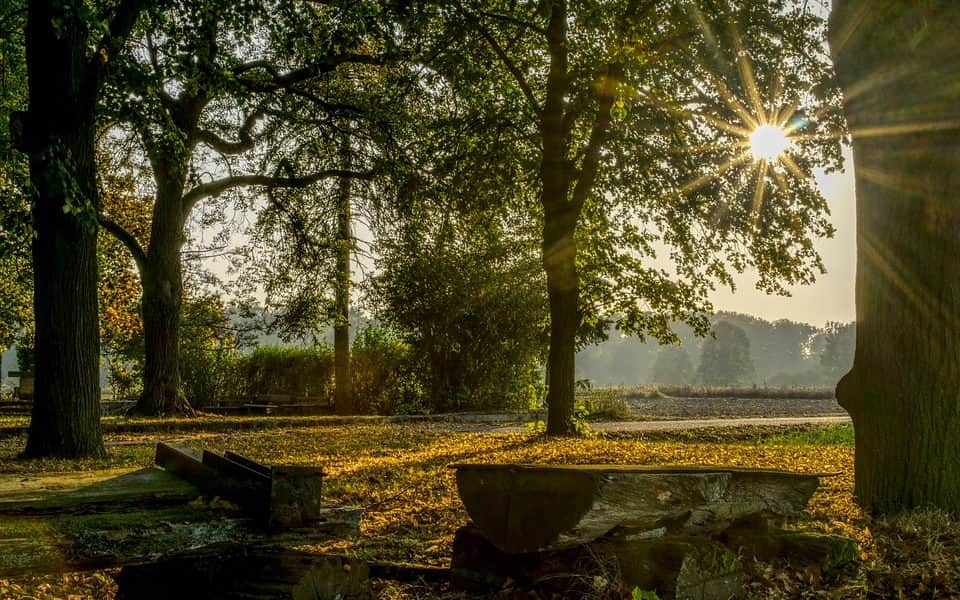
x=398 y=474
x=829 y=435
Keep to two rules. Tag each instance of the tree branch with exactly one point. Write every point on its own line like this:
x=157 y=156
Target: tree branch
x=124 y=18
x=590 y=164
x=127 y=239
x=281 y=81
x=218 y=186
x=245 y=138
x=505 y=59
x=515 y=21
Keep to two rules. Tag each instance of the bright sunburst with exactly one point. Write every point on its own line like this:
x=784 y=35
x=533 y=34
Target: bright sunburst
x=768 y=142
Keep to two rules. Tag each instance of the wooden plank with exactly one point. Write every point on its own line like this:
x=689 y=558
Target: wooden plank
x=252 y=495
x=526 y=508
x=235 y=469
x=250 y=464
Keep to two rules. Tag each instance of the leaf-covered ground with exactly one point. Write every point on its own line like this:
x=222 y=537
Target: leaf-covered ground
x=398 y=474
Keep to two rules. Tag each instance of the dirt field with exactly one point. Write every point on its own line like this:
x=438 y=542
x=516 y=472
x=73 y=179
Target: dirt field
x=699 y=408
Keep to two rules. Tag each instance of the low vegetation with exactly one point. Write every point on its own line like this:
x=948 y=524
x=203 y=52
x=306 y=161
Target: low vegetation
x=398 y=474
x=726 y=391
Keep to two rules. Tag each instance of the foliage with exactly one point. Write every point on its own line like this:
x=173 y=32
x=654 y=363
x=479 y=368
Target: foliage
x=725 y=357
x=602 y=404
x=385 y=378
x=839 y=343
x=294 y=371
x=209 y=346
x=672 y=366
x=468 y=294
x=16 y=293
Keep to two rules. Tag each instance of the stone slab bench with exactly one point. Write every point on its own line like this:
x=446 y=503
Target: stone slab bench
x=678 y=530
x=527 y=508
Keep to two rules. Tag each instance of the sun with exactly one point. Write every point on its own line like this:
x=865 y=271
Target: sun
x=768 y=142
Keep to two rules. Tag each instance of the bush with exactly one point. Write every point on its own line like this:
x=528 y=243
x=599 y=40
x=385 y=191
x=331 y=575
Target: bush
x=602 y=403
x=293 y=371
x=385 y=381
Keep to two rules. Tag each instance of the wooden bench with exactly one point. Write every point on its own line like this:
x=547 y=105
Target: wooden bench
x=267 y=404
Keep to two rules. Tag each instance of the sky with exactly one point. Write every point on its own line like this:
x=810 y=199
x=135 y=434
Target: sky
x=831 y=297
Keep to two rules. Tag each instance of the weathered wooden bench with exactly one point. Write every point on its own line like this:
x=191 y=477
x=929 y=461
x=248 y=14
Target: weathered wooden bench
x=272 y=404
x=678 y=530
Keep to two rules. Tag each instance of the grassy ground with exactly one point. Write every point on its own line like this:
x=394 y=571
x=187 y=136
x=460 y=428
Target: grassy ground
x=399 y=475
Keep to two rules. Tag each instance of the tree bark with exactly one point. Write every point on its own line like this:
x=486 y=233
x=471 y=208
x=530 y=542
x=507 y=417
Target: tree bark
x=59 y=139
x=344 y=400
x=162 y=298
x=897 y=64
x=559 y=261
x=559 y=252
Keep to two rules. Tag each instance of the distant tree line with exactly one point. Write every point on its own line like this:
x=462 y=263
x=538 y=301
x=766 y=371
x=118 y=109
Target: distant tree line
x=742 y=350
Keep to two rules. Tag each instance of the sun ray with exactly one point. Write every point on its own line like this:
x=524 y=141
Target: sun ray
x=792 y=167
x=781 y=180
x=723 y=168
x=746 y=74
x=762 y=167
x=728 y=97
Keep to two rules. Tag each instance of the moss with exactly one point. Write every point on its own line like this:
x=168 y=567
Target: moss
x=113 y=521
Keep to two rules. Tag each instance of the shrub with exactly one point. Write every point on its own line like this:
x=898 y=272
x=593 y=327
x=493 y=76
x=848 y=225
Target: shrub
x=384 y=378
x=601 y=403
x=294 y=371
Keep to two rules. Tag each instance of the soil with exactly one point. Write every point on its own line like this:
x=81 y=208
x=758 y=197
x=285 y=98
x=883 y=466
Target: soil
x=699 y=408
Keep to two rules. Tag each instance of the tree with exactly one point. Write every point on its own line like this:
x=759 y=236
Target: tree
x=229 y=109
x=16 y=293
x=630 y=121
x=672 y=366
x=69 y=46
x=838 y=348
x=725 y=357
x=343 y=380
x=466 y=290
x=896 y=61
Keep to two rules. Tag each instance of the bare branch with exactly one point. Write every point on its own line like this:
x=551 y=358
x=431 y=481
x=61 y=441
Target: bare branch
x=126 y=238
x=218 y=186
x=244 y=143
x=279 y=81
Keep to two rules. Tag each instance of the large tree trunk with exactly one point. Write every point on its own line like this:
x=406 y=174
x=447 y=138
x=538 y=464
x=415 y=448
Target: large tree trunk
x=161 y=302
x=59 y=138
x=897 y=64
x=559 y=261
x=344 y=400
x=559 y=225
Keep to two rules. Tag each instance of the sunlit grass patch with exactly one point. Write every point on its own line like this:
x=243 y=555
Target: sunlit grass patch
x=830 y=435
